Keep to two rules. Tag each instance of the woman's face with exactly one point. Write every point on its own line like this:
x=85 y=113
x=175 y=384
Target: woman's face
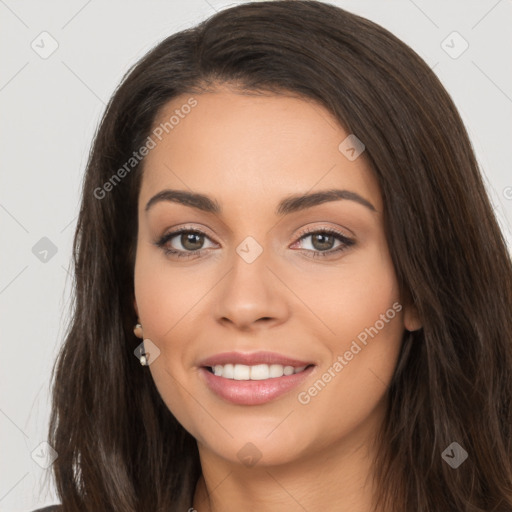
x=307 y=282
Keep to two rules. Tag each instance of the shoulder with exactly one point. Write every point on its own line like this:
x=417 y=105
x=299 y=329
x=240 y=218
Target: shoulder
x=52 y=508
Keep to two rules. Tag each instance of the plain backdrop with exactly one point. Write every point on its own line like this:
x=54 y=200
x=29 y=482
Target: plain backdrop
x=50 y=107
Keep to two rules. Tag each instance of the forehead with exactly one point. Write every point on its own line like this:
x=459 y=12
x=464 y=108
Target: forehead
x=253 y=147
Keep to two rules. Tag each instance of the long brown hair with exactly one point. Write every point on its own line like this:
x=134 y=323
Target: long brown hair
x=118 y=445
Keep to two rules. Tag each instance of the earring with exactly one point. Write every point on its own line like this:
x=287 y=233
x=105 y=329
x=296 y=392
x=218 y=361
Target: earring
x=137 y=330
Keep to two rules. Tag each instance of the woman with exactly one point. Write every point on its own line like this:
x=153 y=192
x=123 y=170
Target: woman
x=283 y=219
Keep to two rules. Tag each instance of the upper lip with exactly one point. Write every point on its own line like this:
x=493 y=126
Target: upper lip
x=252 y=359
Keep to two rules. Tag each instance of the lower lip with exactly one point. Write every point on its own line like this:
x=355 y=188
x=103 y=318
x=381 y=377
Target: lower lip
x=253 y=392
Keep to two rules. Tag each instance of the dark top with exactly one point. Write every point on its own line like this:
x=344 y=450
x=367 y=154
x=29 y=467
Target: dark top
x=52 y=508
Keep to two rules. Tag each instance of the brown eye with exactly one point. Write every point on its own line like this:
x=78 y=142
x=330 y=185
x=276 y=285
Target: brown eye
x=183 y=243
x=191 y=241
x=323 y=242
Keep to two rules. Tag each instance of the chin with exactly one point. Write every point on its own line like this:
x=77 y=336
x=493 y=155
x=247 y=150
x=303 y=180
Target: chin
x=264 y=441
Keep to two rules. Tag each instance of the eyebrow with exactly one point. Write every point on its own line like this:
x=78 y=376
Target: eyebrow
x=288 y=205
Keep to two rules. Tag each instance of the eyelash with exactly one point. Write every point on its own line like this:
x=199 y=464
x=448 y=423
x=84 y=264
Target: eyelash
x=346 y=242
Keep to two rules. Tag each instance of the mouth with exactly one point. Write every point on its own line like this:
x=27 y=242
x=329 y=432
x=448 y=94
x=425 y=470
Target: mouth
x=252 y=379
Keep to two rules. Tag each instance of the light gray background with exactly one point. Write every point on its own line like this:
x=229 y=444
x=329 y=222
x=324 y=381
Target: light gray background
x=50 y=109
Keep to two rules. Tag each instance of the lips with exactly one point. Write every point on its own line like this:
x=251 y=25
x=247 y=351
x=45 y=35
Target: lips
x=253 y=379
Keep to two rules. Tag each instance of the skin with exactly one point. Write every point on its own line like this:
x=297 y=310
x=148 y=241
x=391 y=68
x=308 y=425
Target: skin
x=249 y=152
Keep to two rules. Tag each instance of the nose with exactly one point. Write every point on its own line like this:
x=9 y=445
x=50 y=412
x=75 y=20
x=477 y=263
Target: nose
x=251 y=295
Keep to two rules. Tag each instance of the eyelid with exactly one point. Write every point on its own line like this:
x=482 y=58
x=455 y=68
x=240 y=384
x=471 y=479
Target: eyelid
x=323 y=228
x=175 y=230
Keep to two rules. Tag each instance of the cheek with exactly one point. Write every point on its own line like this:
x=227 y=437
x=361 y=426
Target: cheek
x=372 y=304
x=162 y=300
x=352 y=383
x=165 y=294
x=372 y=325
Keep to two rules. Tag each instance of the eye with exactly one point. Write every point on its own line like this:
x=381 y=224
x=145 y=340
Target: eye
x=190 y=240
x=322 y=241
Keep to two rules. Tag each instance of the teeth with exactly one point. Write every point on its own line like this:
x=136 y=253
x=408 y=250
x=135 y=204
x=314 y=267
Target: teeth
x=259 y=371
x=256 y=372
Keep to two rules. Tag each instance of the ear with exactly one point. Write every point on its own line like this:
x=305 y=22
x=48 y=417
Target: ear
x=412 y=321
